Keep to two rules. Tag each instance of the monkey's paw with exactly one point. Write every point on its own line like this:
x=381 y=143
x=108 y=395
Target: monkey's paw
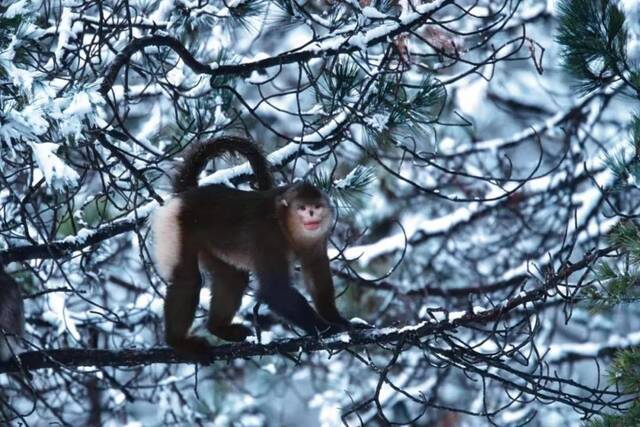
x=343 y=325
x=351 y=325
x=357 y=323
x=190 y=346
x=336 y=328
x=234 y=332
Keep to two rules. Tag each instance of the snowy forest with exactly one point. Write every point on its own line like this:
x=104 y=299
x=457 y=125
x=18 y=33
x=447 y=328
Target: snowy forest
x=482 y=158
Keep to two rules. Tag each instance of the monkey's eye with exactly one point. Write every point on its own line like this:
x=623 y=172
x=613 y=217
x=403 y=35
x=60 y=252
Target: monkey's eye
x=318 y=206
x=302 y=208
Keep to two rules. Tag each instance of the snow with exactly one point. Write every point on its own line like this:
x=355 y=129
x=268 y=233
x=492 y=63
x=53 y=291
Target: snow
x=118 y=397
x=80 y=104
x=72 y=110
x=22 y=78
x=378 y=121
x=471 y=99
x=362 y=39
x=380 y=31
x=344 y=338
x=57 y=313
x=316 y=109
x=530 y=132
x=176 y=75
x=162 y=12
x=373 y=13
x=266 y=337
x=55 y=171
x=349 y=179
x=79 y=238
x=359 y=40
x=631 y=9
x=366 y=253
x=587 y=200
x=26 y=123
x=513 y=416
x=561 y=351
x=329 y=409
x=271 y=368
x=359 y=321
x=67 y=31
x=234 y=3
x=16 y=8
x=278 y=156
x=456 y=315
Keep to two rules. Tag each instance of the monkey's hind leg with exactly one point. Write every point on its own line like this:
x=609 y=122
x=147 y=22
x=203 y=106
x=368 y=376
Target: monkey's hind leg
x=180 y=307
x=228 y=286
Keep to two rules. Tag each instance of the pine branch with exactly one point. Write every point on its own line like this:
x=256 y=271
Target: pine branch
x=593 y=37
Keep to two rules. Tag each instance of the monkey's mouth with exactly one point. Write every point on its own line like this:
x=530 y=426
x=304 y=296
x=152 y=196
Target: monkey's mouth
x=311 y=225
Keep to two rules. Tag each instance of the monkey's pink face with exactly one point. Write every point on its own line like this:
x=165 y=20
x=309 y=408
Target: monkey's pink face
x=313 y=218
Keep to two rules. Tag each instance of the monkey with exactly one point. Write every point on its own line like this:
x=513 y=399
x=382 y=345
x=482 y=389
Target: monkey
x=11 y=316
x=232 y=232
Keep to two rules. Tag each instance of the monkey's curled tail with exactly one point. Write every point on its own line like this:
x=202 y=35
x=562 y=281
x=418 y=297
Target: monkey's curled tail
x=198 y=156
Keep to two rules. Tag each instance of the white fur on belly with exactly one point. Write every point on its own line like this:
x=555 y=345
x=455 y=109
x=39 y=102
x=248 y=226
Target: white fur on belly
x=239 y=260
x=166 y=237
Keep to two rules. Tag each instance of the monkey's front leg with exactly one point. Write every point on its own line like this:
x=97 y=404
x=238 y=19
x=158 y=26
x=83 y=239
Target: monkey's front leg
x=317 y=277
x=284 y=300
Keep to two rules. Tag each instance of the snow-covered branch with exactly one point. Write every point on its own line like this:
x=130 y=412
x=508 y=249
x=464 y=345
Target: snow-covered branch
x=329 y=46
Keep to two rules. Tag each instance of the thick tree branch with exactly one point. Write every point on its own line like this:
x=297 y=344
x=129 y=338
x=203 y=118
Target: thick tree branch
x=61 y=248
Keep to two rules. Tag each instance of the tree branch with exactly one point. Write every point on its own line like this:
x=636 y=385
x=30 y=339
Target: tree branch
x=61 y=248
x=331 y=46
x=68 y=358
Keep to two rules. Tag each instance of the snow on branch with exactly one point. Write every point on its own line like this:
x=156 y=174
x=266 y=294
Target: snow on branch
x=428 y=228
x=329 y=46
x=55 y=171
x=536 y=129
x=83 y=239
x=571 y=352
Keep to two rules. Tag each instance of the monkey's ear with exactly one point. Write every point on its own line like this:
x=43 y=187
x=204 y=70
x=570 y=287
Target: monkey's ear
x=284 y=202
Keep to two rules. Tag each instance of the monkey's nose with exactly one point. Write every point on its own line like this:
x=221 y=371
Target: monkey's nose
x=310 y=212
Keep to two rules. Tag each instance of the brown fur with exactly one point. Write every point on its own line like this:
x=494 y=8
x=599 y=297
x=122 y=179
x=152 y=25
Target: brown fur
x=233 y=232
x=200 y=153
